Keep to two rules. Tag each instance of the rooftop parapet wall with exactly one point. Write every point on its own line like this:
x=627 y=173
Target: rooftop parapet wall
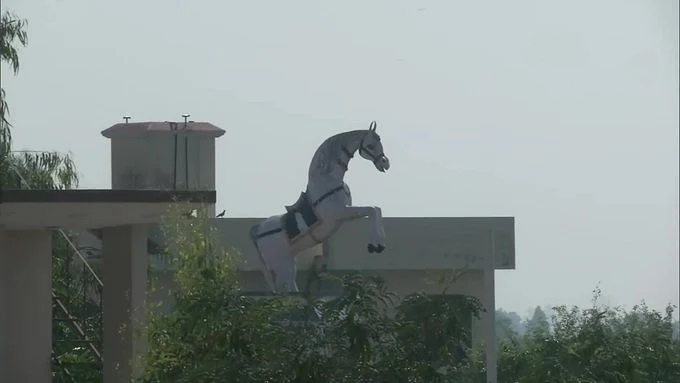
x=422 y=243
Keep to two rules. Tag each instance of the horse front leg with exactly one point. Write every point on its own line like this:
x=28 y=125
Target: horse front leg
x=348 y=213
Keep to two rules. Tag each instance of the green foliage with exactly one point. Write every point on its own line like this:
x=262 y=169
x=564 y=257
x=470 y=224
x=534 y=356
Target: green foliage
x=25 y=170
x=38 y=170
x=367 y=334
x=508 y=325
x=598 y=344
x=80 y=295
x=73 y=358
x=12 y=30
x=216 y=334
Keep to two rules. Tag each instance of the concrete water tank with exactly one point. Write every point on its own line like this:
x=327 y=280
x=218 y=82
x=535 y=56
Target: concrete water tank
x=163 y=155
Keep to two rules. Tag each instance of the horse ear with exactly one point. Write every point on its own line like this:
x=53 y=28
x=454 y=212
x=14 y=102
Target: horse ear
x=373 y=126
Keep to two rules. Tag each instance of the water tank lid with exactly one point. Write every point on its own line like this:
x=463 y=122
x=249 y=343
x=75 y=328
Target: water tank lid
x=139 y=129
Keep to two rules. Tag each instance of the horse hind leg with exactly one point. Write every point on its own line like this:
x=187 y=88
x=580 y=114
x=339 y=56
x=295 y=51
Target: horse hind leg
x=282 y=270
x=282 y=265
x=278 y=263
x=285 y=273
x=269 y=275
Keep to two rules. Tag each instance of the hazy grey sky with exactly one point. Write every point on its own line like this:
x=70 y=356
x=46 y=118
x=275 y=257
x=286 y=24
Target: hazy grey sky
x=563 y=114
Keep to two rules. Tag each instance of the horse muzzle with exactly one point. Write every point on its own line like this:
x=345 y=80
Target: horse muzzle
x=382 y=163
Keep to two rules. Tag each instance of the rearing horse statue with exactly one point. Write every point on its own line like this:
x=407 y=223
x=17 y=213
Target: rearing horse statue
x=320 y=209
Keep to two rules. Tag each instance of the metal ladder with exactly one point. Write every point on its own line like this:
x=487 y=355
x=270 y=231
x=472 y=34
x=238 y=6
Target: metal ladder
x=81 y=333
x=60 y=369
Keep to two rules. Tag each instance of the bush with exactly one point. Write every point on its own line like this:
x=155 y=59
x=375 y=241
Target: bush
x=598 y=344
x=216 y=334
x=366 y=334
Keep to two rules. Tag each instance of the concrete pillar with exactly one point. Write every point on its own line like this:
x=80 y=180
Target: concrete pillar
x=489 y=317
x=25 y=306
x=125 y=282
x=484 y=329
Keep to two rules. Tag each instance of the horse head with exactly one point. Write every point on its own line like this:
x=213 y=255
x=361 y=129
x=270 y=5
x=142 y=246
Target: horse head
x=370 y=148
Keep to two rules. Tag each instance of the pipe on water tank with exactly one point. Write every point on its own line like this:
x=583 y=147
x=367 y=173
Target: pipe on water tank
x=173 y=127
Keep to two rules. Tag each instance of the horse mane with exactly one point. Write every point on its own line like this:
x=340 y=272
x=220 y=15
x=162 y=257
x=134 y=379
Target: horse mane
x=329 y=151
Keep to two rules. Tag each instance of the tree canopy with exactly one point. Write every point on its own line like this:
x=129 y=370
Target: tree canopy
x=12 y=31
x=367 y=334
x=26 y=169
x=215 y=333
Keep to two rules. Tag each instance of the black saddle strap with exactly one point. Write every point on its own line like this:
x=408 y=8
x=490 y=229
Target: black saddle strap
x=328 y=194
x=318 y=201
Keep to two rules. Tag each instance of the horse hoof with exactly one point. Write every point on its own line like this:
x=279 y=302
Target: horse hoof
x=375 y=248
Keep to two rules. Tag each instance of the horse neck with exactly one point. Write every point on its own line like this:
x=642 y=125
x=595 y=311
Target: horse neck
x=327 y=158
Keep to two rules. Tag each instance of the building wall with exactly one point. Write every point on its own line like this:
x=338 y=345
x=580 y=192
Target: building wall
x=148 y=162
x=427 y=243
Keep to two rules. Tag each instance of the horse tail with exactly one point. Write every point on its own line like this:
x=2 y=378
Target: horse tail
x=267 y=273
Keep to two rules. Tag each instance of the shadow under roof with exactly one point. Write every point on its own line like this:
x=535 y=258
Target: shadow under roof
x=89 y=209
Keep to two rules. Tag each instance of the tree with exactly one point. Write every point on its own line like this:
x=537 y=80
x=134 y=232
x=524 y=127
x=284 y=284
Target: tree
x=39 y=170
x=77 y=317
x=508 y=324
x=214 y=333
x=11 y=31
x=25 y=170
x=51 y=170
x=597 y=344
x=367 y=334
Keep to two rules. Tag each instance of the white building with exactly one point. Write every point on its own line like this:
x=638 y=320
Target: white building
x=152 y=156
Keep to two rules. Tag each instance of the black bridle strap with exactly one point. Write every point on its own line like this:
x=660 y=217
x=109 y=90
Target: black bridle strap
x=349 y=155
x=375 y=158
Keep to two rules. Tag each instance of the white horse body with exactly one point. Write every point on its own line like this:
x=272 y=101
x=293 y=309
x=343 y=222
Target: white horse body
x=326 y=203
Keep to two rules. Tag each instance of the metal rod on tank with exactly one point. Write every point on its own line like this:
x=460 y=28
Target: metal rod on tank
x=186 y=162
x=173 y=127
x=186 y=153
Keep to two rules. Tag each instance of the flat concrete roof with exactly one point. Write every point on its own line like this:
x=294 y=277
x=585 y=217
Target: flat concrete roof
x=140 y=129
x=90 y=209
